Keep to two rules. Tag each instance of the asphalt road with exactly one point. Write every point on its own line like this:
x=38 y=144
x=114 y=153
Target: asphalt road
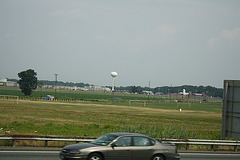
x=53 y=154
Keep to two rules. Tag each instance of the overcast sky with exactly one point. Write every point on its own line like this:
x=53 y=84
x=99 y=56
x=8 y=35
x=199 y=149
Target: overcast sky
x=178 y=42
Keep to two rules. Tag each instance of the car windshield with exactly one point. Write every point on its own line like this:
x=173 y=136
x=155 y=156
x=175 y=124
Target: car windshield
x=104 y=140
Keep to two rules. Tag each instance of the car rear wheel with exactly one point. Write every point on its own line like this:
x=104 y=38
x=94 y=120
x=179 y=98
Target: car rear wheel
x=95 y=156
x=158 y=157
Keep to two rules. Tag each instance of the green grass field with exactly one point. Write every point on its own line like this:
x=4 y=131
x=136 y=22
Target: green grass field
x=159 y=120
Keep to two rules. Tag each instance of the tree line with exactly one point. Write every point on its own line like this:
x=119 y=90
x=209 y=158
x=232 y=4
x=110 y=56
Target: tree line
x=205 y=90
x=28 y=82
x=60 y=83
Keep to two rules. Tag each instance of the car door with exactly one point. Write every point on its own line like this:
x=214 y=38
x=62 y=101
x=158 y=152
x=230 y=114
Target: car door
x=121 y=149
x=142 y=148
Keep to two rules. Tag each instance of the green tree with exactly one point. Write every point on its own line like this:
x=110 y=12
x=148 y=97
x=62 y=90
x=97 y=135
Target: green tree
x=28 y=81
x=135 y=89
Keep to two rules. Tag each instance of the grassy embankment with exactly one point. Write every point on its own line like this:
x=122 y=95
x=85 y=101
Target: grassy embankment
x=159 y=120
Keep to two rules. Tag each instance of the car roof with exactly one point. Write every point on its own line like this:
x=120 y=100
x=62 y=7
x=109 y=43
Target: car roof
x=127 y=134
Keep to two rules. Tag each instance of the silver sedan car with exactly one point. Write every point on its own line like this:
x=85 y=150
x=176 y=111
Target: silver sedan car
x=121 y=146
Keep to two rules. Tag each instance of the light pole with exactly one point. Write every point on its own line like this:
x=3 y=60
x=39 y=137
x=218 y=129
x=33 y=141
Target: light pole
x=56 y=84
x=149 y=90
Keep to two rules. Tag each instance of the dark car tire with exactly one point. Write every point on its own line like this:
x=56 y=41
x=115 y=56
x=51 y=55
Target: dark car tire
x=158 y=157
x=95 y=156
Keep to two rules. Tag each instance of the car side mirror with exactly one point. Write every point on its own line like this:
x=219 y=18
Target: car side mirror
x=114 y=145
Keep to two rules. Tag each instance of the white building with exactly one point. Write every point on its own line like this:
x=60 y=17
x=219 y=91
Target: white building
x=5 y=82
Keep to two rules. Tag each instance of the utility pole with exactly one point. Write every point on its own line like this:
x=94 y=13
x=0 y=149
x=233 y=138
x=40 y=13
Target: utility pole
x=170 y=94
x=56 y=85
x=149 y=91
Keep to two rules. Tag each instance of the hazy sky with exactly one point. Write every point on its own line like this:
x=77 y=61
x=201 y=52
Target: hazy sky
x=178 y=42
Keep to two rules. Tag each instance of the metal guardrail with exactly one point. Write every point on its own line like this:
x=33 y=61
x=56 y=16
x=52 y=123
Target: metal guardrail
x=15 y=138
x=212 y=143
x=186 y=142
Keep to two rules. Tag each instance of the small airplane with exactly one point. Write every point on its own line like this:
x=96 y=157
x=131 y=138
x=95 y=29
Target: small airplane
x=184 y=93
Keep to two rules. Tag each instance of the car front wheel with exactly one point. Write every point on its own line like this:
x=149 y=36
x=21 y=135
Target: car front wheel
x=158 y=157
x=95 y=156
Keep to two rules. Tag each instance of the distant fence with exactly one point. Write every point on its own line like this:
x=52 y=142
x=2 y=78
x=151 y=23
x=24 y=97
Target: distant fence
x=41 y=99
x=186 y=142
x=9 y=97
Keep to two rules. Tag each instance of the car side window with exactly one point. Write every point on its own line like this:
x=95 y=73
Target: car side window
x=141 y=141
x=153 y=142
x=123 y=141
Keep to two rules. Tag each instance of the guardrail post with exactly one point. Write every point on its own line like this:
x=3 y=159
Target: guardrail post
x=13 y=143
x=46 y=143
x=235 y=148
x=211 y=147
x=187 y=146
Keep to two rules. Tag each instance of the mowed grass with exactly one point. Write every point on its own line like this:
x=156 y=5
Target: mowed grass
x=159 y=120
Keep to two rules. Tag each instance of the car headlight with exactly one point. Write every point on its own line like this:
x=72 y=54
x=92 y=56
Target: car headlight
x=74 y=151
